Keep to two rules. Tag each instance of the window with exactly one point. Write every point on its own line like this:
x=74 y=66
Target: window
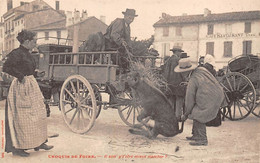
x=247 y=27
x=210 y=48
x=12 y=44
x=165 y=31
x=178 y=31
x=227 y=49
x=21 y=21
x=165 y=49
x=247 y=45
x=58 y=34
x=228 y=28
x=35 y=7
x=46 y=35
x=210 y=29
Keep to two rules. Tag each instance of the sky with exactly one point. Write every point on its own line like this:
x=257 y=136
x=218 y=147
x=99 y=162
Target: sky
x=148 y=11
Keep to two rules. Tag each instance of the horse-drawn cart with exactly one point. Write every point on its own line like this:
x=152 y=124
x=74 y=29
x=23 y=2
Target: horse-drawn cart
x=81 y=78
x=241 y=86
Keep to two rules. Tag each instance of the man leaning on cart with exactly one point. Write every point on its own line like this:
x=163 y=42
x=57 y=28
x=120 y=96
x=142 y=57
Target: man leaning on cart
x=117 y=37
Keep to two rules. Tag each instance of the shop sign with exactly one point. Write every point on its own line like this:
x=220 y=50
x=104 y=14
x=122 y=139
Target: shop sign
x=219 y=35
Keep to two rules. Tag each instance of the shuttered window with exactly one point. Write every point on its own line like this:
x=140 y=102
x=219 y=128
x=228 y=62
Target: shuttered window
x=227 y=49
x=210 y=48
x=46 y=35
x=179 y=31
x=210 y=29
x=165 y=31
x=247 y=45
x=58 y=34
x=165 y=49
x=247 y=27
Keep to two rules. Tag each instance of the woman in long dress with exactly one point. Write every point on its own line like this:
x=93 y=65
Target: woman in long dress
x=26 y=123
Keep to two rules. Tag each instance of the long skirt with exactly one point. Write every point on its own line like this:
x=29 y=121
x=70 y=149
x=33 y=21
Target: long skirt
x=26 y=115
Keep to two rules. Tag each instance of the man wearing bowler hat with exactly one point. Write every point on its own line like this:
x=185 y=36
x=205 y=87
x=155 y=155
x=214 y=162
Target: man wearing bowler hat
x=117 y=36
x=174 y=79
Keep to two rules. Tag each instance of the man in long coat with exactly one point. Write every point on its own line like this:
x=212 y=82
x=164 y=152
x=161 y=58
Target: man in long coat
x=202 y=101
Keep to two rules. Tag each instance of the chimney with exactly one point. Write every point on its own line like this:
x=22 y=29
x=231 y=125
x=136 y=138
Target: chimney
x=76 y=16
x=21 y=3
x=69 y=18
x=84 y=15
x=163 y=15
x=207 y=12
x=57 y=5
x=9 y=4
x=103 y=19
x=184 y=14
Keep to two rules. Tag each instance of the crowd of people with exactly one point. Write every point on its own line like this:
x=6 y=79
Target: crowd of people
x=196 y=94
x=195 y=91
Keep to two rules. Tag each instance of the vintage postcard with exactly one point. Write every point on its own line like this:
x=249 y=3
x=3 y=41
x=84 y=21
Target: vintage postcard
x=129 y=81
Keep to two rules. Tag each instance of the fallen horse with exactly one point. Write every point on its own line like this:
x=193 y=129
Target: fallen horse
x=158 y=115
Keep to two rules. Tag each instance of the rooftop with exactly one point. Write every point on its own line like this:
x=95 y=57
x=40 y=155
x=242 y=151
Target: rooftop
x=222 y=17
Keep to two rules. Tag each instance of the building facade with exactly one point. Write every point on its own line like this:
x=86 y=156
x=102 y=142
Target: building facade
x=85 y=27
x=52 y=26
x=224 y=36
x=1 y=39
x=37 y=16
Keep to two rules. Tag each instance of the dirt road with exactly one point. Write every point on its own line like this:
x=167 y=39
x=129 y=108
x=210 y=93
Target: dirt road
x=109 y=141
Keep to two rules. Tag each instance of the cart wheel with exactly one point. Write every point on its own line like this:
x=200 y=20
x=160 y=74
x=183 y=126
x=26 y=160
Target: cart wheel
x=78 y=104
x=129 y=108
x=240 y=95
x=98 y=98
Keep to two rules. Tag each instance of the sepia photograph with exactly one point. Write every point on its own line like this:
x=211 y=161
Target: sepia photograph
x=111 y=81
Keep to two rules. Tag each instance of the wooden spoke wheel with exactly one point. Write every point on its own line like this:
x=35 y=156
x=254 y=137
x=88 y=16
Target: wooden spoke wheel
x=98 y=98
x=240 y=95
x=78 y=104
x=129 y=107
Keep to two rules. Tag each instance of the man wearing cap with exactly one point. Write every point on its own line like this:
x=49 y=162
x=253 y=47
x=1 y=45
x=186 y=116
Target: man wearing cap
x=174 y=79
x=202 y=101
x=117 y=36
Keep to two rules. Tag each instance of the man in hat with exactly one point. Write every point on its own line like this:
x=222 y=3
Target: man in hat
x=174 y=79
x=202 y=101
x=117 y=36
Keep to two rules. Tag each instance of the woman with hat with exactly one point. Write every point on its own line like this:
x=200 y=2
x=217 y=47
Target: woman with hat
x=202 y=101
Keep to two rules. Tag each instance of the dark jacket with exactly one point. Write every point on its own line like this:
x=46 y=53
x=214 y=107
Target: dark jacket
x=210 y=68
x=20 y=63
x=173 y=78
x=117 y=32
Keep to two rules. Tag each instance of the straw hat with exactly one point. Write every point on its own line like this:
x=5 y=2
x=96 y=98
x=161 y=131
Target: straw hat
x=130 y=12
x=184 y=65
